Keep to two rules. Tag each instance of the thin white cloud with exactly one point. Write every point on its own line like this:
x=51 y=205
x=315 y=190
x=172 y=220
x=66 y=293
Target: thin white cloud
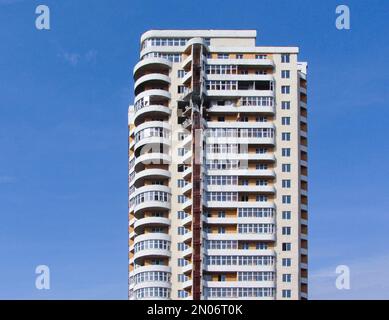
x=71 y=58
x=369 y=279
x=74 y=58
x=91 y=56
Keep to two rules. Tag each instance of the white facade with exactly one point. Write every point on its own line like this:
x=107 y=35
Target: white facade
x=251 y=226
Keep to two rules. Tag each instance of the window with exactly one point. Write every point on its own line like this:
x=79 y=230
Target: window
x=286 y=293
x=181 y=215
x=220 y=119
x=285 y=74
x=258 y=101
x=244 y=198
x=181 y=246
x=285 y=105
x=285 y=136
x=250 y=228
x=183 y=293
x=221 y=69
x=182 y=262
x=286 y=183
x=221 y=85
x=286 y=167
x=182 y=277
x=261 y=246
x=256 y=212
x=286 y=277
x=261 y=166
x=182 y=136
x=285 y=121
x=181 y=183
x=286 y=262
x=261 y=150
x=221 y=214
x=286 y=246
x=173 y=57
x=222 y=55
x=286 y=199
x=239 y=56
x=285 y=89
x=245 y=246
x=181 y=231
x=180 y=73
x=261 y=119
x=221 y=277
x=244 y=182
x=181 y=89
x=261 y=183
x=286 y=231
x=261 y=198
x=221 y=230
x=244 y=119
x=244 y=72
x=260 y=56
x=286 y=215
x=181 y=198
x=156 y=262
x=285 y=58
x=286 y=152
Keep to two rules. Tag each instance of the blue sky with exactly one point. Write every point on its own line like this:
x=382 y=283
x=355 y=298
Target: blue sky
x=64 y=95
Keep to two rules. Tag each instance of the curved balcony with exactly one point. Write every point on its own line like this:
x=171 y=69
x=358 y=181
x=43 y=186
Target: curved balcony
x=149 y=174
x=186 y=63
x=151 y=284
x=187 y=205
x=193 y=41
x=186 y=158
x=151 y=158
x=153 y=94
x=187 y=284
x=151 y=236
x=187 y=252
x=148 y=268
x=152 y=133
x=187 y=189
x=187 y=173
x=187 y=237
x=140 y=224
x=152 y=110
x=152 y=197
x=151 y=253
x=144 y=294
x=149 y=142
x=151 y=125
x=149 y=65
x=187 y=221
x=187 y=269
x=151 y=79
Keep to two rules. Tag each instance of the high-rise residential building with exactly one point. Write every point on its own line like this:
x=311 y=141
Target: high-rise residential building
x=217 y=168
